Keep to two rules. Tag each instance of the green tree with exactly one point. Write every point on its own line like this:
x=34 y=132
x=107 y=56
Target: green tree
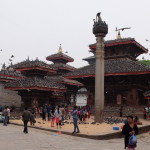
x=145 y=62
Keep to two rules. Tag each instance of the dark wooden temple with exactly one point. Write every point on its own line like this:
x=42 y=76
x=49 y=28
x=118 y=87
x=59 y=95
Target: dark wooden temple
x=126 y=80
x=44 y=83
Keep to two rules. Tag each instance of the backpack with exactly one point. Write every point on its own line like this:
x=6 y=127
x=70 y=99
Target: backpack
x=132 y=140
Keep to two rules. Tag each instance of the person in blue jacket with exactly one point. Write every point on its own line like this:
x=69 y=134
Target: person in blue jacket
x=75 y=120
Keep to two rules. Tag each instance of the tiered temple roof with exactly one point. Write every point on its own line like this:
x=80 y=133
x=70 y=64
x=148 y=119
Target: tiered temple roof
x=118 y=63
x=36 y=83
x=41 y=76
x=61 y=66
x=59 y=57
x=119 y=48
x=60 y=61
x=32 y=65
x=122 y=41
x=35 y=80
x=9 y=74
x=61 y=79
x=121 y=66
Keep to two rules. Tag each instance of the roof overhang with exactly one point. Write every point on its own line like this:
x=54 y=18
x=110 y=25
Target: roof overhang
x=56 y=58
x=93 y=46
x=35 y=88
x=5 y=80
x=75 y=84
x=108 y=74
x=11 y=76
x=36 y=68
x=66 y=68
x=147 y=97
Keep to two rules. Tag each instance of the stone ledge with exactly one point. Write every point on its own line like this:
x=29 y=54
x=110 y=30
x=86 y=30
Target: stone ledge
x=107 y=136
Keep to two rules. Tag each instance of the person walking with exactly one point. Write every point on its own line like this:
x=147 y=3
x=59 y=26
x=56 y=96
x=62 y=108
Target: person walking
x=48 y=112
x=75 y=120
x=5 y=114
x=44 y=112
x=89 y=111
x=62 y=109
x=26 y=118
x=121 y=111
x=58 y=116
x=128 y=130
x=145 y=113
x=52 y=117
x=8 y=109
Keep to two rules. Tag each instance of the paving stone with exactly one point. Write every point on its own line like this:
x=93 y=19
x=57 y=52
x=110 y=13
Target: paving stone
x=13 y=138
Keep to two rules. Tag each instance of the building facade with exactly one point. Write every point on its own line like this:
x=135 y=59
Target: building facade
x=126 y=79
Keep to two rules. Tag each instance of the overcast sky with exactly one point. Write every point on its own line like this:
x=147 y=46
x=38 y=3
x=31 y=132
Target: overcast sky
x=35 y=28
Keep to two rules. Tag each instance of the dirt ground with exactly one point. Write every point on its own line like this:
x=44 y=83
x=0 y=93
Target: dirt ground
x=85 y=127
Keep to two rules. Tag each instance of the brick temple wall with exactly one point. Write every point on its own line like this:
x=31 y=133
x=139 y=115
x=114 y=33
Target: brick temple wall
x=8 y=97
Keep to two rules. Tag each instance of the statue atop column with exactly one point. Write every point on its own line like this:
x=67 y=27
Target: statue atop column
x=98 y=17
x=100 y=27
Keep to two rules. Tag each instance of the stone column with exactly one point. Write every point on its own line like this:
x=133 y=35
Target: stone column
x=99 y=79
x=100 y=29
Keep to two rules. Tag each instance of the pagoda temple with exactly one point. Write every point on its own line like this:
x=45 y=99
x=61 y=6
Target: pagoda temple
x=126 y=79
x=60 y=61
x=34 y=88
x=44 y=83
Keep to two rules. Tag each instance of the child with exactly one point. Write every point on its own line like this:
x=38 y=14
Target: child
x=58 y=115
x=52 y=118
x=32 y=119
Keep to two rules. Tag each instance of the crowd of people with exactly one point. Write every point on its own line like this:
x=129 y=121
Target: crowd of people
x=56 y=115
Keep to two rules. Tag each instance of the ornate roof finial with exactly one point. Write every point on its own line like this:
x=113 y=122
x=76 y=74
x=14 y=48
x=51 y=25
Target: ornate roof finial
x=4 y=67
x=118 y=36
x=28 y=59
x=37 y=59
x=60 y=49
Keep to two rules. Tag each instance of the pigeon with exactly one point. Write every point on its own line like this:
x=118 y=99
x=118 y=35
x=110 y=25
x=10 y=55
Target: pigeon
x=12 y=56
x=122 y=29
x=93 y=123
x=146 y=40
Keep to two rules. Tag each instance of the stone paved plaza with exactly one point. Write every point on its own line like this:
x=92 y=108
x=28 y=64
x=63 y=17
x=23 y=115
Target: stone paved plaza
x=11 y=137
